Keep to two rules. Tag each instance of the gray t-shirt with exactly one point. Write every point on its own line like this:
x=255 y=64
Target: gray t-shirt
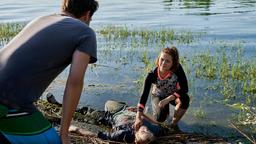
x=41 y=51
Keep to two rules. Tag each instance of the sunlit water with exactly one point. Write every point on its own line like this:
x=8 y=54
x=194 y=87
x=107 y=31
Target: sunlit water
x=227 y=20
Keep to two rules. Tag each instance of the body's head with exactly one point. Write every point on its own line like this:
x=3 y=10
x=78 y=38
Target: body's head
x=80 y=9
x=168 y=59
x=143 y=135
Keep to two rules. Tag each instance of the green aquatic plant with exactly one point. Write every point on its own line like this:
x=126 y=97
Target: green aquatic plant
x=205 y=66
x=199 y=113
x=142 y=37
x=244 y=87
x=236 y=72
x=249 y=78
x=228 y=90
x=185 y=64
x=224 y=67
x=9 y=30
x=149 y=65
x=247 y=115
x=198 y=72
x=145 y=58
x=252 y=86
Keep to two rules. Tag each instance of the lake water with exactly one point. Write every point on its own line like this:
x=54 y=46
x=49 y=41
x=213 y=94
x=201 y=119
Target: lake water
x=215 y=16
x=222 y=20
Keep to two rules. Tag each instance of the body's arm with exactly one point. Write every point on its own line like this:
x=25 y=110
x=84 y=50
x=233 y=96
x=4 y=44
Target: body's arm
x=149 y=118
x=73 y=91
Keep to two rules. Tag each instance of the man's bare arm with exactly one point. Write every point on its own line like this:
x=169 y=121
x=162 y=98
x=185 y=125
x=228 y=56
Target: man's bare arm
x=73 y=91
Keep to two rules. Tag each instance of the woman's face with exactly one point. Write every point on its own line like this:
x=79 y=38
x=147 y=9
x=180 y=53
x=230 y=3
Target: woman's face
x=165 y=62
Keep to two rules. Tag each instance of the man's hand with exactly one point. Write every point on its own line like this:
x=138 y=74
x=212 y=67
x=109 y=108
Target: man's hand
x=166 y=101
x=73 y=128
x=65 y=139
x=81 y=131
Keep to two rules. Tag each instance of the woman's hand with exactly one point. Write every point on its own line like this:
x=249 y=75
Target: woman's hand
x=166 y=101
x=138 y=121
x=178 y=103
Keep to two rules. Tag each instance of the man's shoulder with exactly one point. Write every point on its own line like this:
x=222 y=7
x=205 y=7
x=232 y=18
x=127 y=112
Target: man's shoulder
x=65 y=20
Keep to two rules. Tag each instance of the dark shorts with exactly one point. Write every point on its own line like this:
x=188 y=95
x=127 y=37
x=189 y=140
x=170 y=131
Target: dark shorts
x=161 y=114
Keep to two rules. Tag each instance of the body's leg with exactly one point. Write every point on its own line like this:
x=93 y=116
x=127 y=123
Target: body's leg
x=158 y=113
x=114 y=106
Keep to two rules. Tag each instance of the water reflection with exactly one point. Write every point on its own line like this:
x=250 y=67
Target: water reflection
x=188 y=4
x=197 y=4
x=210 y=7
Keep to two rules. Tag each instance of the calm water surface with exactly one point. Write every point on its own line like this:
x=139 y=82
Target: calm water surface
x=215 y=16
x=227 y=20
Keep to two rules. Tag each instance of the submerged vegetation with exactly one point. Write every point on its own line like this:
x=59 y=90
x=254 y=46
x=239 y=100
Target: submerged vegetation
x=143 y=37
x=8 y=31
x=227 y=76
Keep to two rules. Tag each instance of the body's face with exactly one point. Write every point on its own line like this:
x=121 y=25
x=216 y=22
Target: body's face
x=143 y=135
x=165 y=62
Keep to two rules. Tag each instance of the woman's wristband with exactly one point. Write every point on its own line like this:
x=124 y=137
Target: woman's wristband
x=140 y=107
